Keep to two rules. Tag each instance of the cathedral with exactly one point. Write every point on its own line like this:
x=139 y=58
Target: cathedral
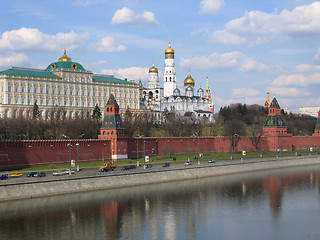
x=172 y=99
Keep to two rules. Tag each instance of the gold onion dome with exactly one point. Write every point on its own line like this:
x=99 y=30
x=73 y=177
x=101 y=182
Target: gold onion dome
x=189 y=81
x=65 y=58
x=169 y=50
x=153 y=69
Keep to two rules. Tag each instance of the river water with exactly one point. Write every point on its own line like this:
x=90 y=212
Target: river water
x=279 y=204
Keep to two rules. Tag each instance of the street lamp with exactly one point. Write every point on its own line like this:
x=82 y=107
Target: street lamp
x=77 y=144
x=70 y=147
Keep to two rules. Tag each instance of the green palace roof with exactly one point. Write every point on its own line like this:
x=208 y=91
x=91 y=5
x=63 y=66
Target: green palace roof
x=65 y=66
x=29 y=73
x=110 y=79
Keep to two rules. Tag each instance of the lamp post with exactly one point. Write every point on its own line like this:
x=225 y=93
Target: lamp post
x=78 y=168
x=77 y=144
x=70 y=147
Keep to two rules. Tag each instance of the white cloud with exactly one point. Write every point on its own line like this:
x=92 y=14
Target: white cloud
x=244 y=92
x=297 y=80
x=211 y=6
x=132 y=73
x=256 y=27
x=15 y=59
x=31 y=39
x=317 y=56
x=108 y=44
x=252 y=64
x=225 y=61
x=215 y=61
x=290 y=92
x=85 y=3
x=127 y=16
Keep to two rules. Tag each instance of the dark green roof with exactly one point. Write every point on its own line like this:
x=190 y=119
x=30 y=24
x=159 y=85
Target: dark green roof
x=110 y=79
x=275 y=121
x=274 y=104
x=29 y=73
x=112 y=121
x=65 y=66
x=112 y=101
x=318 y=124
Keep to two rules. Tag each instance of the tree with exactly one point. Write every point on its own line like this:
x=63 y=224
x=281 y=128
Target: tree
x=35 y=111
x=96 y=115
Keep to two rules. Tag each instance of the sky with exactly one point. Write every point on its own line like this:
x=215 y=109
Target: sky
x=244 y=47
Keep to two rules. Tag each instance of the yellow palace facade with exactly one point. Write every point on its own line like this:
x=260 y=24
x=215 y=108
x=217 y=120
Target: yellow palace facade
x=64 y=87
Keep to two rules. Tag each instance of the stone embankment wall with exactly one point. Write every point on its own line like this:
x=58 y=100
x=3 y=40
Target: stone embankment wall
x=63 y=186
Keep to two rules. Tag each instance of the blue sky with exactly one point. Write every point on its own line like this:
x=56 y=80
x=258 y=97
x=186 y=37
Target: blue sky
x=245 y=47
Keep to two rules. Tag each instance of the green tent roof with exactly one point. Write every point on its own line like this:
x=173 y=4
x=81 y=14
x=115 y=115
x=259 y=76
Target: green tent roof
x=274 y=103
x=29 y=73
x=275 y=121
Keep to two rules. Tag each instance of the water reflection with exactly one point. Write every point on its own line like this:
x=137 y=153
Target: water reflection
x=194 y=209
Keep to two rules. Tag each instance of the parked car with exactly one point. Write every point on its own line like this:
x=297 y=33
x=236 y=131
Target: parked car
x=166 y=164
x=68 y=172
x=188 y=163
x=31 y=174
x=211 y=161
x=40 y=174
x=148 y=165
x=132 y=166
x=4 y=176
x=59 y=173
x=125 y=168
x=15 y=175
x=105 y=169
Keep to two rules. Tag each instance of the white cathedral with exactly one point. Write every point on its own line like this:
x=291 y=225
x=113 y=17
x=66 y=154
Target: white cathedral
x=169 y=98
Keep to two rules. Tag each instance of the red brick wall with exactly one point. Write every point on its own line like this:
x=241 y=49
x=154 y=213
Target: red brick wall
x=22 y=154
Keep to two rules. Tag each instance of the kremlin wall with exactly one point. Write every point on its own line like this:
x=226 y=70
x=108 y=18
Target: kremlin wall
x=113 y=145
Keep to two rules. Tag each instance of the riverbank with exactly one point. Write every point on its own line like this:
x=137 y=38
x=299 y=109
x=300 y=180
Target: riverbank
x=12 y=191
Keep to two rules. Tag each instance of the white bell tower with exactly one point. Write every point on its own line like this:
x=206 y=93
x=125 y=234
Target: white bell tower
x=169 y=76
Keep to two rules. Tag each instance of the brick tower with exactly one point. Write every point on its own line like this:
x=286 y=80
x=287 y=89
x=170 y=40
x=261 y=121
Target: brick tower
x=275 y=129
x=317 y=128
x=112 y=129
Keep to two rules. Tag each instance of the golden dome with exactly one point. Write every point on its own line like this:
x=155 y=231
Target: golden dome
x=169 y=50
x=153 y=69
x=189 y=81
x=153 y=99
x=65 y=58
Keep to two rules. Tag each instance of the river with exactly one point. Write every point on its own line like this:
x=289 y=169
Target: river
x=278 y=204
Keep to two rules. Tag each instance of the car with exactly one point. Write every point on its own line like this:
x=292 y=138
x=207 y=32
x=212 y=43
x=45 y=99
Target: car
x=125 y=168
x=132 y=166
x=148 y=165
x=106 y=169
x=166 y=164
x=4 y=176
x=188 y=163
x=31 y=174
x=15 y=175
x=211 y=161
x=40 y=174
x=59 y=173
x=69 y=172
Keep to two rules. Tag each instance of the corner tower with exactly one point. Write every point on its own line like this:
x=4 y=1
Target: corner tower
x=112 y=129
x=169 y=76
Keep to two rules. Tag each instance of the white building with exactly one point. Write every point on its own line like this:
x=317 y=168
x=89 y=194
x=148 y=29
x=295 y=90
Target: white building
x=312 y=111
x=170 y=98
x=63 y=85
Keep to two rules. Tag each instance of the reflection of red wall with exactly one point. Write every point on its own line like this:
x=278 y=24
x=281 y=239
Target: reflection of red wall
x=21 y=154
